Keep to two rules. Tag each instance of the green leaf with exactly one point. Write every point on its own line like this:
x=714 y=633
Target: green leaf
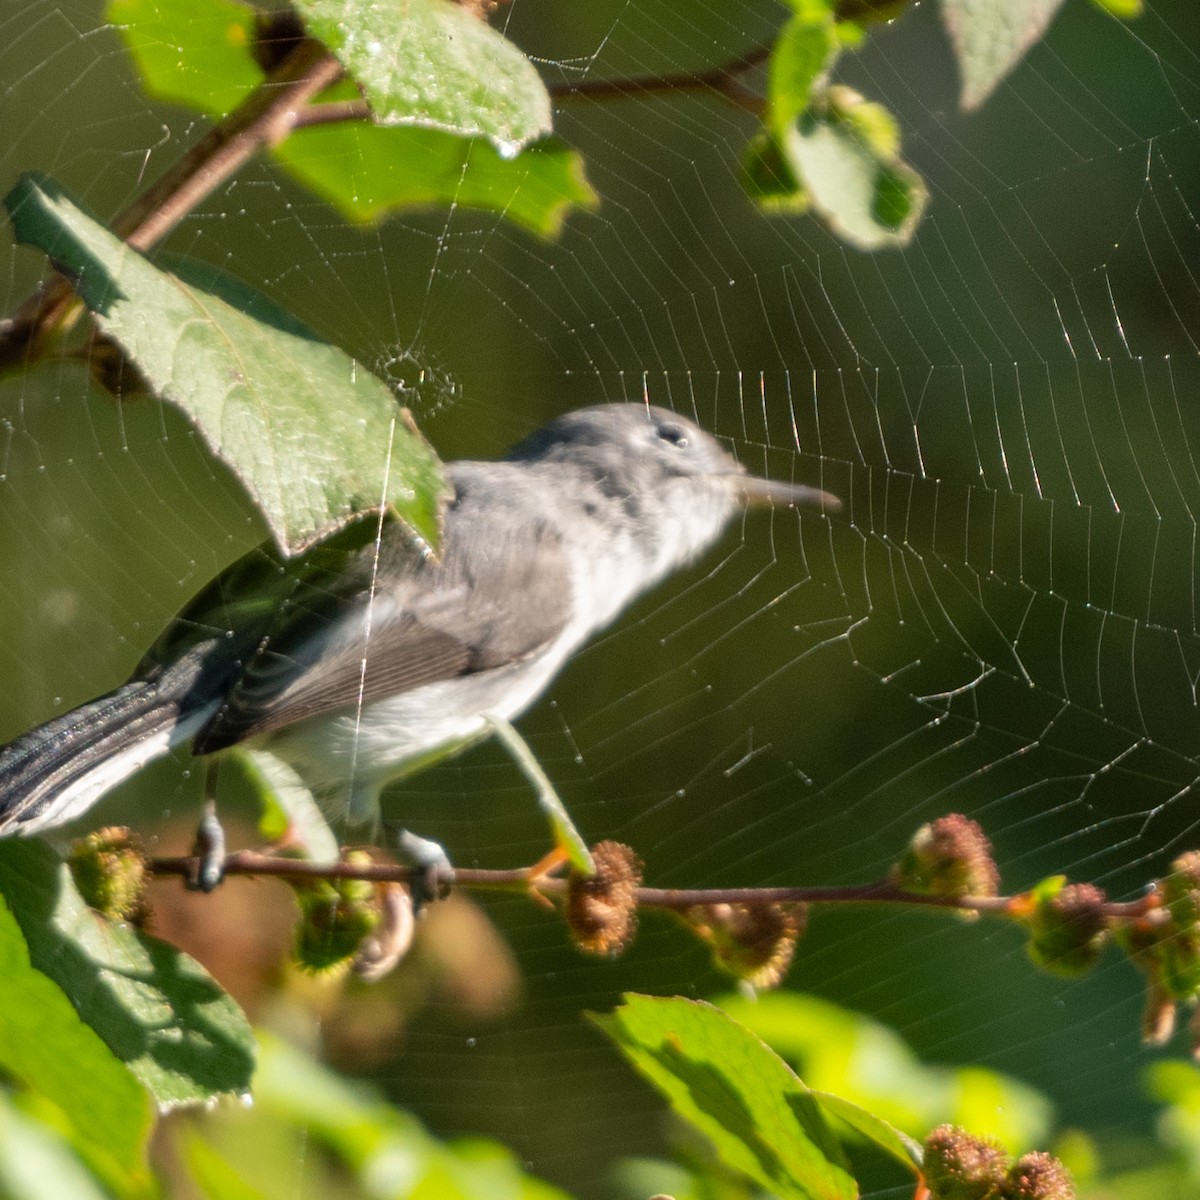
x=761 y=1118
x=768 y=178
x=1046 y=889
x=904 y=1149
x=217 y=1178
x=845 y=155
x=869 y=1065
x=45 y=1045
x=990 y=37
x=431 y=63
x=1178 y=1084
x=199 y=55
x=366 y=171
x=37 y=1161
x=157 y=1009
x=389 y=1151
x=289 y=809
x=314 y=437
x=806 y=48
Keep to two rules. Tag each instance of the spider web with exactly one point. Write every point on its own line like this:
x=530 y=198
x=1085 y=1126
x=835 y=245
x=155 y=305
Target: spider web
x=1003 y=622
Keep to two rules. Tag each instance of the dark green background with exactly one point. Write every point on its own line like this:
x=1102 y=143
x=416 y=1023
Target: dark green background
x=1003 y=623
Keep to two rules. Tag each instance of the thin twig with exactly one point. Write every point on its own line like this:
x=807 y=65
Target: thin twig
x=332 y=112
x=724 y=79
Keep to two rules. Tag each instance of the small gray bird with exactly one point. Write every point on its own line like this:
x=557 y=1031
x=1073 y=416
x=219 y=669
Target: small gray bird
x=367 y=657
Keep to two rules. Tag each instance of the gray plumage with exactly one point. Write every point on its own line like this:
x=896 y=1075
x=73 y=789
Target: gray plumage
x=365 y=658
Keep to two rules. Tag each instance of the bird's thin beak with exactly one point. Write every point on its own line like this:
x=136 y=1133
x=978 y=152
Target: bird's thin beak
x=754 y=492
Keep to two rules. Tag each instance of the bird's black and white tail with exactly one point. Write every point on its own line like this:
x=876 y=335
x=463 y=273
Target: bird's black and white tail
x=56 y=772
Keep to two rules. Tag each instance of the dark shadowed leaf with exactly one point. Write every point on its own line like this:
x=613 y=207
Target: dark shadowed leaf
x=157 y=1010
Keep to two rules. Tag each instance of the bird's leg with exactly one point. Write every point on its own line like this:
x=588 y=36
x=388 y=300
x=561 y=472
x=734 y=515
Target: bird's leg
x=431 y=859
x=208 y=848
x=569 y=846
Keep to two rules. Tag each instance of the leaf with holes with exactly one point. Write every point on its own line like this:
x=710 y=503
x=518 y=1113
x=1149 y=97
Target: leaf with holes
x=845 y=153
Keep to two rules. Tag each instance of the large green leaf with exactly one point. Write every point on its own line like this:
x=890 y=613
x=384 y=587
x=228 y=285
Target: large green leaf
x=367 y=170
x=157 y=1010
x=717 y=1075
x=990 y=37
x=313 y=436
x=45 y=1045
x=432 y=63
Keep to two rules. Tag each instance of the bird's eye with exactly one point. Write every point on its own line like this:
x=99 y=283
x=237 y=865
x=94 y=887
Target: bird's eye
x=676 y=435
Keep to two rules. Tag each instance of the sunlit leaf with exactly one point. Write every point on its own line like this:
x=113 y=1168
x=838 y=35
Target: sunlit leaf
x=806 y=47
x=433 y=63
x=867 y=1064
x=37 y=1161
x=191 y=53
x=717 y=1075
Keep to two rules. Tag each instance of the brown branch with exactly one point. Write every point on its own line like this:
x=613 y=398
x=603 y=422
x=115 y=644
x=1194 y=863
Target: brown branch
x=264 y=118
x=884 y=891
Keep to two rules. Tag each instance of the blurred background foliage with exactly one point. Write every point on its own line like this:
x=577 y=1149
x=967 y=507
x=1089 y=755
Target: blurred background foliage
x=1004 y=622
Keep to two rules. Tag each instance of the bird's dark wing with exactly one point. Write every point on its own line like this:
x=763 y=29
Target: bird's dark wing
x=392 y=621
